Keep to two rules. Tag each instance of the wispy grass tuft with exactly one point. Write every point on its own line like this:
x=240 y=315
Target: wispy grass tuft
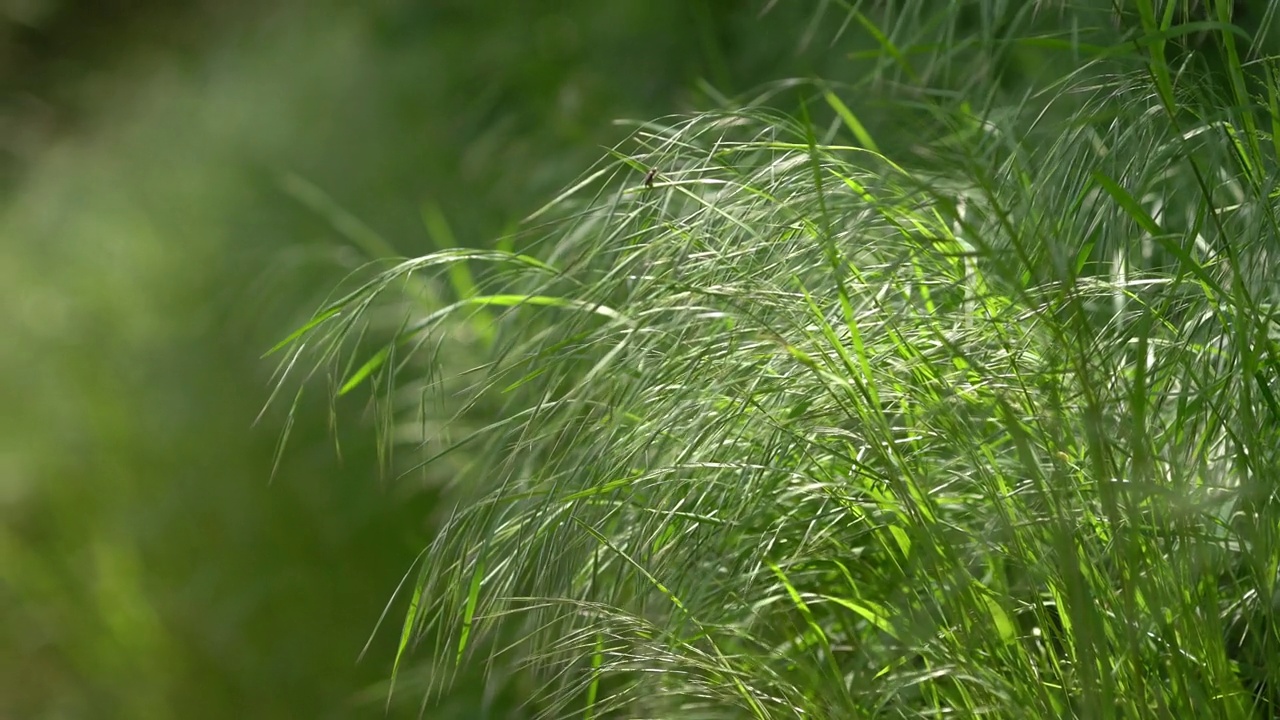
x=801 y=431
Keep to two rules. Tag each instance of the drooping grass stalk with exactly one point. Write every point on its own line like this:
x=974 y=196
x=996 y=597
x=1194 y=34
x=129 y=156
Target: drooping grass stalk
x=800 y=431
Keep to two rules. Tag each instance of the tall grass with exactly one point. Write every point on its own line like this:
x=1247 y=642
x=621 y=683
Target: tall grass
x=805 y=429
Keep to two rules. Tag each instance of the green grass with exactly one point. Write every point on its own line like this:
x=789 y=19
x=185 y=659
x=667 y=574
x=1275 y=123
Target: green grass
x=986 y=426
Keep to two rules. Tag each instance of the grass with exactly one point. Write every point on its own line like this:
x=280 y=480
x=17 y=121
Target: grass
x=986 y=427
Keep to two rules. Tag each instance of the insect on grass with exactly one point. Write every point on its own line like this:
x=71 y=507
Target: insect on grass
x=649 y=176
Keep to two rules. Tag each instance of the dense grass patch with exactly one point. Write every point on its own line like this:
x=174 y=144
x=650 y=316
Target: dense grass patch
x=800 y=429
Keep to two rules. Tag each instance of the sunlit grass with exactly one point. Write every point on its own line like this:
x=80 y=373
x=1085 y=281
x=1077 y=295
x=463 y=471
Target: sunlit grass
x=801 y=431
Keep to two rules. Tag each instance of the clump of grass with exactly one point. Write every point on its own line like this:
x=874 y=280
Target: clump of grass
x=800 y=431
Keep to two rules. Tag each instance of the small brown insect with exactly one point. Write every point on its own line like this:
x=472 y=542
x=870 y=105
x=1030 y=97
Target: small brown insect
x=648 y=178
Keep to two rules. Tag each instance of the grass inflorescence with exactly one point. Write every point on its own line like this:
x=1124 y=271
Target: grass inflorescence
x=795 y=427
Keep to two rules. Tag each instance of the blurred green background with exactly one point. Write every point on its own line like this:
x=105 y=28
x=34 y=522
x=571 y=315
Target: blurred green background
x=150 y=252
